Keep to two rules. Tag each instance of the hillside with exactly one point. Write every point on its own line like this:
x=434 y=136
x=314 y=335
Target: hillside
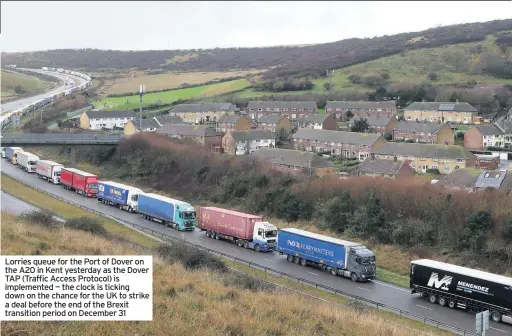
x=16 y=85
x=192 y=299
x=283 y=61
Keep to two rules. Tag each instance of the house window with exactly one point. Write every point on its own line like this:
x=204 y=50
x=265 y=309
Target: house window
x=446 y=169
x=294 y=109
x=435 y=159
x=260 y=109
x=276 y=109
x=460 y=161
x=435 y=167
x=285 y=109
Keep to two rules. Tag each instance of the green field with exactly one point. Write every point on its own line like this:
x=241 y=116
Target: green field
x=27 y=85
x=167 y=97
x=452 y=63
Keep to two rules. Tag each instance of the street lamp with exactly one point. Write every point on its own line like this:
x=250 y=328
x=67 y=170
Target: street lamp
x=142 y=91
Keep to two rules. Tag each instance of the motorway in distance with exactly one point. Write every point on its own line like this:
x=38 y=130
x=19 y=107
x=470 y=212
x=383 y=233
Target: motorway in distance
x=377 y=291
x=26 y=101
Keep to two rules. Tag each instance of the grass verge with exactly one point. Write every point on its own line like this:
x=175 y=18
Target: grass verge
x=67 y=211
x=201 y=301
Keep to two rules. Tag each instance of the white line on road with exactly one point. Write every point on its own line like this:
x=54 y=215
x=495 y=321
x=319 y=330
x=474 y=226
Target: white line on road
x=503 y=331
x=269 y=259
x=364 y=289
x=395 y=287
x=234 y=249
x=314 y=273
x=425 y=307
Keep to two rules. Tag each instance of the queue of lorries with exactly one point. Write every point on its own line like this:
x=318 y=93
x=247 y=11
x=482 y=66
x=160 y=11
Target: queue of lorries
x=445 y=284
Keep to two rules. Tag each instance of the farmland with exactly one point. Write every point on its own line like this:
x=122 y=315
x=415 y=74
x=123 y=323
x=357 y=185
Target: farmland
x=168 y=97
x=16 y=85
x=131 y=84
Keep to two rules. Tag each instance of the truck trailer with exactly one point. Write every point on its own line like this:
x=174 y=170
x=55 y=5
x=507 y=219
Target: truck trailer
x=49 y=170
x=245 y=230
x=11 y=154
x=170 y=212
x=340 y=257
x=81 y=182
x=27 y=161
x=120 y=195
x=461 y=287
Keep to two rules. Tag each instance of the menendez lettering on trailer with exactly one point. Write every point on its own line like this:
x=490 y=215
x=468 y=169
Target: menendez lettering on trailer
x=310 y=248
x=466 y=285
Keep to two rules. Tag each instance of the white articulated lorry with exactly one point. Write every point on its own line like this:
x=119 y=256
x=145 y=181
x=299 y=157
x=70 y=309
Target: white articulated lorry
x=49 y=170
x=27 y=161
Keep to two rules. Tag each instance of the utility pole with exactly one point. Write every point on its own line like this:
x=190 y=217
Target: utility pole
x=142 y=90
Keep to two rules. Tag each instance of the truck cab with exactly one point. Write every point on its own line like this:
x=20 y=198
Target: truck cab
x=186 y=219
x=265 y=236
x=361 y=264
x=3 y=152
x=56 y=174
x=32 y=163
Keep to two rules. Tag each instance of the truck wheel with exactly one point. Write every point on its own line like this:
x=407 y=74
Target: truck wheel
x=246 y=244
x=257 y=248
x=442 y=301
x=334 y=271
x=495 y=316
x=208 y=233
x=353 y=277
x=289 y=258
x=432 y=298
x=217 y=236
x=240 y=242
x=303 y=262
x=451 y=304
x=296 y=260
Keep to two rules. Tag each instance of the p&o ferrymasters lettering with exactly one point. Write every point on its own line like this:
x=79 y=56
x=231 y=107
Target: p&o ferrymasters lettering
x=310 y=248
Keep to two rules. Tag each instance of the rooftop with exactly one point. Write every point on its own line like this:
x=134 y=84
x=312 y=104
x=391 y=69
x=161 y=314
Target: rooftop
x=186 y=130
x=282 y=104
x=229 y=119
x=364 y=105
x=250 y=135
x=380 y=166
x=488 y=130
x=215 y=107
x=367 y=139
x=441 y=106
x=291 y=157
x=313 y=118
x=373 y=121
x=418 y=127
x=111 y=114
x=425 y=150
x=271 y=119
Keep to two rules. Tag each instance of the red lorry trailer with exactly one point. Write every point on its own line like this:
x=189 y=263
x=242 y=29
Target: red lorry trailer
x=81 y=182
x=243 y=229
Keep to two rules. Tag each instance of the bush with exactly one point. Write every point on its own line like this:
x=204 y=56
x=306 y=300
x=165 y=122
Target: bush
x=41 y=217
x=248 y=282
x=191 y=258
x=87 y=224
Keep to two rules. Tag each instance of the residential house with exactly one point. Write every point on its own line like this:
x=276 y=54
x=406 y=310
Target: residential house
x=295 y=161
x=274 y=122
x=203 y=135
x=504 y=124
x=291 y=109
x=459 y=113
x=483 y=136
x=233 y=123
x=473 y=180
x=244 y=142
x=384 y=168
x=421 y=157
x=436 y=133
x=318 y=121
x=361 y=108
x=203 y=113
x=347 y=144
x=150 y=125
x=97 y=120
x=377 y=124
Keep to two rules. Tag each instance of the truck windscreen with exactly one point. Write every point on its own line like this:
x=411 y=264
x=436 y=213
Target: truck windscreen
x=92 y=186
x=57 y=173
x=368 y=261
x=32 y=163
x=271 y=234
x=189 y=215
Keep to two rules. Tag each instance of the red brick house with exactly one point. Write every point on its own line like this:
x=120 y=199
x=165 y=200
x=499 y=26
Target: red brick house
x=482 y=136
x=291 y=109
x=233 y=123
x=347 y=144
x=426 y=132
x=384 y=168
x=274 y=122
x=318 y=121
x=361 y=108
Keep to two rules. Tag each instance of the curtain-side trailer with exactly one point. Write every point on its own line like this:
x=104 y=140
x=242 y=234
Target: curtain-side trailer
x=11 y=154
x=79 y=181
x=461 y=287
x=170 y=212
x=337 y=256
x=49 y=170
x=120 y=195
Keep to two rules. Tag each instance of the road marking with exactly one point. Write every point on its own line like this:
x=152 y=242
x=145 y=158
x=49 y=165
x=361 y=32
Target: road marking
x=234 y=249
x=269 y=259
x=364 y=289
x=395 y=287
x=314 y=273
x=425 y=307
x=503 y=331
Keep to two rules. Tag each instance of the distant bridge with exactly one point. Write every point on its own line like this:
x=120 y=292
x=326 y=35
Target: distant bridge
x=72 y=140
x=44 y=139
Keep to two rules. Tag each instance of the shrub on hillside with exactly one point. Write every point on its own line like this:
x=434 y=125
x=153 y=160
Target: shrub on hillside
x=88 y=224
x=191 y=258
x=41 y=217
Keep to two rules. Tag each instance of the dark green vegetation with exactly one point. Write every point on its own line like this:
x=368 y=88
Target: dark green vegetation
x=309 y=60
x=419 y=217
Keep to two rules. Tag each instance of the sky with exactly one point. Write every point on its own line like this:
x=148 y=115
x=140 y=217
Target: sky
x=148 y=25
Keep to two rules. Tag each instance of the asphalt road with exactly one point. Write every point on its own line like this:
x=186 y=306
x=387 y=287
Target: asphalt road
x=25 y=101
x=377 y=291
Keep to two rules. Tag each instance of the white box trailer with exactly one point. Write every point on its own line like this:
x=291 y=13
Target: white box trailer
x=49 y=170
x=27 y=161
